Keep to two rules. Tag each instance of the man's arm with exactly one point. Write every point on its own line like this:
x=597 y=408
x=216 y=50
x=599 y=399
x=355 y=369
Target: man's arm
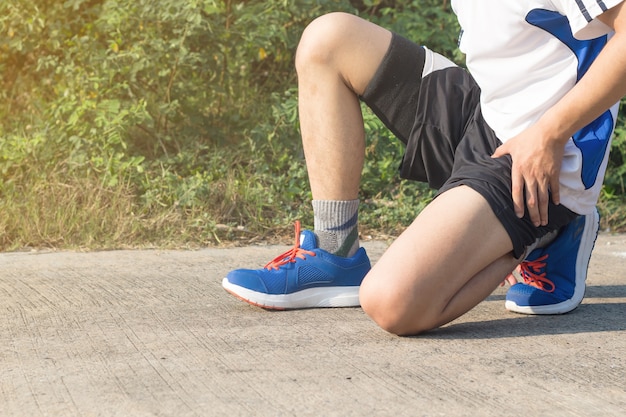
x=538 y=151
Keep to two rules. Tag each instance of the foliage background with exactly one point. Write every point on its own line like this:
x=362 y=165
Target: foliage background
x=172 y=124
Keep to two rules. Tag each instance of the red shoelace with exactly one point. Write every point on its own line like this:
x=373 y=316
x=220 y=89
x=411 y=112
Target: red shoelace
x=292 y=254
x=533 y=274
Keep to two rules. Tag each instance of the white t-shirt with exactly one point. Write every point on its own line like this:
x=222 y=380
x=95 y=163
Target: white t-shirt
x=526 y=55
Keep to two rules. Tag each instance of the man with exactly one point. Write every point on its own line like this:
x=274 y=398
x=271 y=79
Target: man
x=517 y=148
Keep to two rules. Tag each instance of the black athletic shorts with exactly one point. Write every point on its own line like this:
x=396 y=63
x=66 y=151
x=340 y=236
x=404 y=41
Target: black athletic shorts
x=436 y=113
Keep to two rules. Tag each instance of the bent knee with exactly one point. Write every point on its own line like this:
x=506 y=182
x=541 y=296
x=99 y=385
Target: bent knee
x=393 y=312
x=321 y=38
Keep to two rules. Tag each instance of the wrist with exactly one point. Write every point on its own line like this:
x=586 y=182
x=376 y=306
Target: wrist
x=555 y=129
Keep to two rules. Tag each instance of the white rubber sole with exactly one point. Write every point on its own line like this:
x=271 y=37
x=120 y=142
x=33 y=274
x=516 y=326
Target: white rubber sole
x=320 y=297
x=590 y=233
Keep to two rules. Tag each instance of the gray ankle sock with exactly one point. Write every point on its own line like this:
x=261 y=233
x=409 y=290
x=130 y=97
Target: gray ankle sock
x=336 y=225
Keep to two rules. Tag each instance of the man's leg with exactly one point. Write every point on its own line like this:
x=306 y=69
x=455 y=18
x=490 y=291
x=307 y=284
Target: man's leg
x=337 y=57
x=451 y=258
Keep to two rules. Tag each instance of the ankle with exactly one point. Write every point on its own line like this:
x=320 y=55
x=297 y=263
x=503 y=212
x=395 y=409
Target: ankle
x=336 y=226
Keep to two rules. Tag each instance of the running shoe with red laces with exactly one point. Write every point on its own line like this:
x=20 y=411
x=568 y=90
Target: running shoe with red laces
x=303 y=277
x=554 y=277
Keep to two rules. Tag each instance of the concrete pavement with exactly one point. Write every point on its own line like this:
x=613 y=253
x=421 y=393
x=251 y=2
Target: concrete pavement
x=152 y=333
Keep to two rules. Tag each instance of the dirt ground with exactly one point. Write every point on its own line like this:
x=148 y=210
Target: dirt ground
x=152 y=333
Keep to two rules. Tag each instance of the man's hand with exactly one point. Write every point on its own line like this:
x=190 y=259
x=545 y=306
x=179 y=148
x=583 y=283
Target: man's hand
x=535 y=172
x=537 y=152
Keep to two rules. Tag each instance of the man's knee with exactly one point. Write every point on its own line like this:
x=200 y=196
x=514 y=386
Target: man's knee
x=320 y=39
x=392 y=311
x=344 y=46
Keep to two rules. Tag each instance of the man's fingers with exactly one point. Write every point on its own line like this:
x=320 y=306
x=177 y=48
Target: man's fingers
x=517 y=191
x=500 y=151
x=532 y=204
x=554 y=190
x=531 y=187
x=544 y=199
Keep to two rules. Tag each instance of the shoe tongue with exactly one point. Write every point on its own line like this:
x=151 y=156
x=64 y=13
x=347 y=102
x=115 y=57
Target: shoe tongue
x=308 y=240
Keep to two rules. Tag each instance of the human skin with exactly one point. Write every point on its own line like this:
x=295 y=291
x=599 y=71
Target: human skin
x=437 y=269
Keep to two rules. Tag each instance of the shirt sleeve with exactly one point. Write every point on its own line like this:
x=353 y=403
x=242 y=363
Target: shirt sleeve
x=582 y=16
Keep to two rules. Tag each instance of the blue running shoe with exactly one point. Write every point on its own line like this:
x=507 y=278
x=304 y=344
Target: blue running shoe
x=554 y=276
x=303 y=277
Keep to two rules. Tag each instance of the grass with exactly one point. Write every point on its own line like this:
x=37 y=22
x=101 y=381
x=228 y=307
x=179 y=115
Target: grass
x=80 y=213
x=67 y=213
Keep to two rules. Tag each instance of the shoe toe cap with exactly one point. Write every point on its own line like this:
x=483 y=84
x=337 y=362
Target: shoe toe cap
x=247 y=278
